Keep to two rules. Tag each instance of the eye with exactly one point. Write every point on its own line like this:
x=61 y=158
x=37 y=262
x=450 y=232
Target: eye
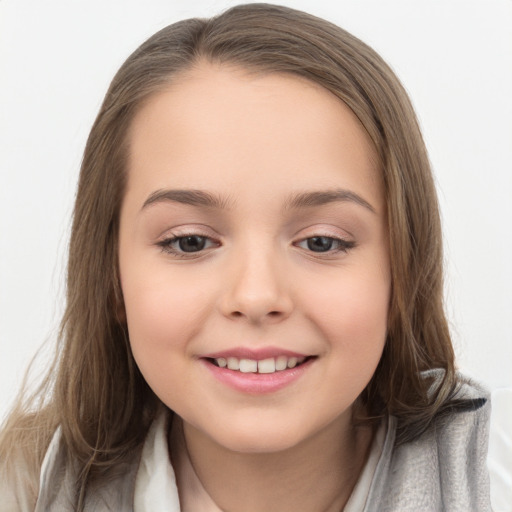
x=325 y=244
x=181 y=245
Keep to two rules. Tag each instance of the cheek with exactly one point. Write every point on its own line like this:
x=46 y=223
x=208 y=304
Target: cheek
x=158 y=305
x=162 y=317
x=352 y=312
x=152 y=316
x=350 y=309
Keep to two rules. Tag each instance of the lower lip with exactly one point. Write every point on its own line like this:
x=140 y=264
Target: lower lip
x=258 y=383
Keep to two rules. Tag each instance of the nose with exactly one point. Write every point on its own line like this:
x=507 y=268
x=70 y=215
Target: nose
x=256 y=289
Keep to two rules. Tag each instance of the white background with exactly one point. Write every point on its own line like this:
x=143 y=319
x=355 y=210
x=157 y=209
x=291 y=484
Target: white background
x=454 y=57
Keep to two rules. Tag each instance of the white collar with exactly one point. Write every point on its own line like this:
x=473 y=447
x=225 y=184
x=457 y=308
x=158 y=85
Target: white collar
x=155 y=486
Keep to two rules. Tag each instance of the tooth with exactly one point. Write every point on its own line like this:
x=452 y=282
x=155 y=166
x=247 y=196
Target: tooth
x=233 y=363
x=292 y=362
x=221 y=361
x=248 y=366
x=267 y=365
x=281 y=363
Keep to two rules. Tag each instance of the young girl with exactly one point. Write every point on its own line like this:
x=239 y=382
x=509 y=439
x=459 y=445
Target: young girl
x=254 y=307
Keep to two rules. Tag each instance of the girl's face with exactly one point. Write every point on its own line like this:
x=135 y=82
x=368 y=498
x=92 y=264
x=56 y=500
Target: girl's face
x=253 y=233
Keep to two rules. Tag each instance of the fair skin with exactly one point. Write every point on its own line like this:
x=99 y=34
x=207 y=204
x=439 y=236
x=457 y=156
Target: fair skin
x=282 y=252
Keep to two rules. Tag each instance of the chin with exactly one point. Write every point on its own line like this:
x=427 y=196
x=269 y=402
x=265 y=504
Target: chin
x=258 y=443
x=258 y=437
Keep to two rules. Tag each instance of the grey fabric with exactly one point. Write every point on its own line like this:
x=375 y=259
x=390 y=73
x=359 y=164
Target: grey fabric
x=443 y=470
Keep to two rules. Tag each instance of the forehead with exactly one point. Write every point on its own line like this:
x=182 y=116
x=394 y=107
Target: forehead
x=215 y=126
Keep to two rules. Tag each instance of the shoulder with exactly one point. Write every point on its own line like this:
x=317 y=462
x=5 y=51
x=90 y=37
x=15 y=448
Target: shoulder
x=460 y=437
x=24 y=439
x=60 y=472
x=444 y=468
x=19 y=483
x=500 y=449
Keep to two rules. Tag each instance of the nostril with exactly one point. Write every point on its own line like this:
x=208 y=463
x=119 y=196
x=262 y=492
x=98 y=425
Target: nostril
x=270 y=314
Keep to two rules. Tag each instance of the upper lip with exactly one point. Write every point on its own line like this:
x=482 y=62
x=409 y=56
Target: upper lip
x=257 y=354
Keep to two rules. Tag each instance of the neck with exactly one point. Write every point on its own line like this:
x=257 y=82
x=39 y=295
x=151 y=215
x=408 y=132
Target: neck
x=318 y=474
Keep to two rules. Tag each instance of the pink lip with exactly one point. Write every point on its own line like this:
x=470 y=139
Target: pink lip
x=257 y=383
x=254 y=353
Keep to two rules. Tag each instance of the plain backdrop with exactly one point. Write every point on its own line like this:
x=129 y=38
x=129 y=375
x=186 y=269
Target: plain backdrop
x=57 y=58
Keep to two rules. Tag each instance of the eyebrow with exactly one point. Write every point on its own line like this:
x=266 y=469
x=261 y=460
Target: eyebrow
x=191 y=197
x=319 y=198
x=194 y=197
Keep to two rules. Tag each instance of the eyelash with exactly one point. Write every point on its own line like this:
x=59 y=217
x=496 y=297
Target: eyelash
x=167 y=245
x=343 y=246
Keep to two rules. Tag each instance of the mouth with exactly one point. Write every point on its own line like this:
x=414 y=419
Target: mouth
x=258 y=372
x=262 y=366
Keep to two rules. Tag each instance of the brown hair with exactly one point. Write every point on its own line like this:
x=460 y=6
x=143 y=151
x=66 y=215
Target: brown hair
x=98 y=396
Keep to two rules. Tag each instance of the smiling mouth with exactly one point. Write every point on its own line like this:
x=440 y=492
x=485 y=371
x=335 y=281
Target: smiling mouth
x=269 y=365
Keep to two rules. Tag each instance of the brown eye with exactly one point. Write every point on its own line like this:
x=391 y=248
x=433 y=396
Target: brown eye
x=187 y=244
x=320 y=243
x=325 y=244
x=191 y=243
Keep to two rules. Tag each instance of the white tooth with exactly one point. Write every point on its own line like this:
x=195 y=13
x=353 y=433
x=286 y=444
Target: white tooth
x=233 y=363
x=300 y=360
x=292 y=362
x=248 y=366
x=221 y=362
x=267 y=365
x=281 y=363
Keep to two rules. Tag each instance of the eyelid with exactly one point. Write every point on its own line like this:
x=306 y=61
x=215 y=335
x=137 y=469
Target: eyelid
x=326 y=230
x=188 y=230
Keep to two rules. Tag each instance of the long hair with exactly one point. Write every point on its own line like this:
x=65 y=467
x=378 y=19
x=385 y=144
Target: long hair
x=97 y=395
